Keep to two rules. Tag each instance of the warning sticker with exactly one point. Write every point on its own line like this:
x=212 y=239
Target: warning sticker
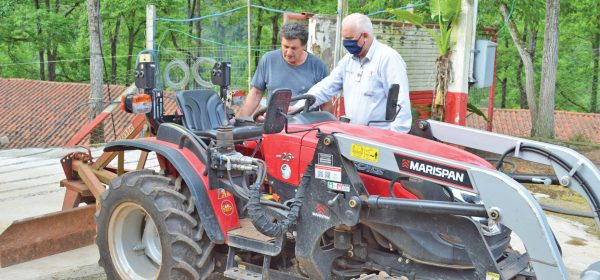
x=325 y=159
x=338 y=187
x=222 y=194
x=364 y=152
x=492 y=276
x=330 y=173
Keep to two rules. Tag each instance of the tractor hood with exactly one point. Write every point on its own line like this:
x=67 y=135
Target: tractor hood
x=403 y=140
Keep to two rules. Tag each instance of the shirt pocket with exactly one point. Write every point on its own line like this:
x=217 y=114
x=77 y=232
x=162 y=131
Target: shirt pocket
x=372 y=86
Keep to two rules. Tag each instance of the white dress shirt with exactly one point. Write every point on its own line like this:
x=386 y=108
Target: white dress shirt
x=365 y=83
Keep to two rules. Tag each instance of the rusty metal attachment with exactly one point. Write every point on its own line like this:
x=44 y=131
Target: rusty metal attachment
x=74 y=226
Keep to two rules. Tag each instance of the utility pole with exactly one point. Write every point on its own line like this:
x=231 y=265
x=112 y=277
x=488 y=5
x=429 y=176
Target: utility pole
x=150 y=18
x=342 y=12
x=96 y=68
x=458 y=87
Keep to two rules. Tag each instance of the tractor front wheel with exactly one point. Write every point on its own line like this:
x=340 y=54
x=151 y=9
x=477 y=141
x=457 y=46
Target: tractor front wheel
x=148 y=228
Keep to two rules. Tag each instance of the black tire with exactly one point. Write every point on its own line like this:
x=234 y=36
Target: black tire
x=130 y=247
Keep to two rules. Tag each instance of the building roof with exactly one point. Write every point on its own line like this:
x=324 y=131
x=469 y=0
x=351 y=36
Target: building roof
x=47 y=114
x=569 y=126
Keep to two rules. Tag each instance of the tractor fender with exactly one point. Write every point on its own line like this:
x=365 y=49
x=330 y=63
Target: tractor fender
x=180 y=159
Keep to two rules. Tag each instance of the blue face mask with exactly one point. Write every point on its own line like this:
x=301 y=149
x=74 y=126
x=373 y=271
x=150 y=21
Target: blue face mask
x=352 y=46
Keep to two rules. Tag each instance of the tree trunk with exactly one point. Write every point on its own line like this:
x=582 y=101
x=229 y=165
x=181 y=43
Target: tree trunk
x=52 y=49
x=42 y=65
x=596 y=51
x=258 y=34
x=527 y=63
x=114 y=40
x=504 y=82
x=530 y=35
x=443 y=66
x=197 y=24
x=52 y=56
x=132 y=31
x=96 y=66
x=275 y=35
x=519 y=80
x=197 y=31
x=544 y=126
x=38 y=30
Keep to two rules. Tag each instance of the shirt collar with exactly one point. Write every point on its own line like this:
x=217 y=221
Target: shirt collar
x=370 y=53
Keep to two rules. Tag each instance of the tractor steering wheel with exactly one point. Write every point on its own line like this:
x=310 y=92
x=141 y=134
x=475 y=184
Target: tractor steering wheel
x=310 y=100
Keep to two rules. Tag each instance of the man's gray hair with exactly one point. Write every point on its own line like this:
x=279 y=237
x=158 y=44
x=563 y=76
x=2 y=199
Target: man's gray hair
x=294 y=30
x=361 y=23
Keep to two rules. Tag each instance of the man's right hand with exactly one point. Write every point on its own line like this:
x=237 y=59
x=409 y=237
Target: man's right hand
x=252 y=101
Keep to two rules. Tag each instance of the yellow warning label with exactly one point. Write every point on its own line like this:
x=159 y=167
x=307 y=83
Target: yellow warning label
x=492 y=276
x=364 y=152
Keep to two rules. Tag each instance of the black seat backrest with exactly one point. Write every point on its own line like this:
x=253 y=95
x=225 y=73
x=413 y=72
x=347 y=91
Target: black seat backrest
x=202 y=109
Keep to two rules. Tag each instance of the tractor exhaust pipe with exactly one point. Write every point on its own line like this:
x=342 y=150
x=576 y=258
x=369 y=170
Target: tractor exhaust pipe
x=428 y=206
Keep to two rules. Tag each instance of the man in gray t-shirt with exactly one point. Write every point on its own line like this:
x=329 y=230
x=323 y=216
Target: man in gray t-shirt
x=289 y=67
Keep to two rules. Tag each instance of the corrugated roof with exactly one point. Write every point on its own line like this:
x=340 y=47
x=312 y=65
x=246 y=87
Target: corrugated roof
x=47 y=114
x=567 y=125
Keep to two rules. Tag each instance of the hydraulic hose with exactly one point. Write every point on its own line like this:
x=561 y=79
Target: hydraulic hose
x=263 y=222
x=564 y=211
x=584 y=185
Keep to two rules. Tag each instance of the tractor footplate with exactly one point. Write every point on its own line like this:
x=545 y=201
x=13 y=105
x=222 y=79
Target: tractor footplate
x=248 y=238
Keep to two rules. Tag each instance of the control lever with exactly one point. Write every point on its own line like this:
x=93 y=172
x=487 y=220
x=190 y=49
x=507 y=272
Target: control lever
x=333 y=200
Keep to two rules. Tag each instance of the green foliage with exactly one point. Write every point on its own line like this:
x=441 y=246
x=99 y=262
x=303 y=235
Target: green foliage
x=578 y=22
x=444 y=12
x=475 y=110
x=66 y=31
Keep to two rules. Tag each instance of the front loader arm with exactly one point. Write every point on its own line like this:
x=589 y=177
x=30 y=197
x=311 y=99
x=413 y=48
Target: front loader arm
x=505 y=200
x=573 y=170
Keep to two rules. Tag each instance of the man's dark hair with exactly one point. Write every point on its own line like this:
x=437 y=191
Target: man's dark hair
x=294 y=30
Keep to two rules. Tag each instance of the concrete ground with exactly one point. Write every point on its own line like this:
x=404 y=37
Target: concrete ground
x=29 y=186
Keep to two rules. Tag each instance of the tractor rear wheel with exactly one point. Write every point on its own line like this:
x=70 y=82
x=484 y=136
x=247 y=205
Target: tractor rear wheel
x=148 y=228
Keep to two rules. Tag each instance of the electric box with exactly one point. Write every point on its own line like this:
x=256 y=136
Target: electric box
x=483 y=66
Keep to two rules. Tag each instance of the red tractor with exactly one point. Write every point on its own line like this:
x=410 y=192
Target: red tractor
x=305 y=196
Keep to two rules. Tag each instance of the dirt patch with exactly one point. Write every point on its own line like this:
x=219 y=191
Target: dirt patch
x=577 y=242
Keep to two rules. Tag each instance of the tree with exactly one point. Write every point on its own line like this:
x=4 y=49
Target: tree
x=544 y=125
x=526 y=58
x=584 y=24
x=446 y=14
x=529 y=36
x=542 y=113
x=38 y=29
x=96 y=67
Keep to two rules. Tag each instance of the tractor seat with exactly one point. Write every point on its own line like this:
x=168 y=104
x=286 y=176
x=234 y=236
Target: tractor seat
x=203 y=112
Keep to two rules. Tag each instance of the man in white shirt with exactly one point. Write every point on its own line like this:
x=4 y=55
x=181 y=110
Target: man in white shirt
x=365 y=75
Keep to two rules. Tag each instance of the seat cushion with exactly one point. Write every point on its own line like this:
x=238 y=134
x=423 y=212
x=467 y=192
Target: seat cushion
x=239 y=133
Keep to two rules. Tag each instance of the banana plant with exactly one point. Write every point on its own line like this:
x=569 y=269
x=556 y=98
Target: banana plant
x=446 y=13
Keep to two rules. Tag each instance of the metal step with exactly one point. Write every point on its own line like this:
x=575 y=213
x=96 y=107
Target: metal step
x=247 y=237
x=238 y=273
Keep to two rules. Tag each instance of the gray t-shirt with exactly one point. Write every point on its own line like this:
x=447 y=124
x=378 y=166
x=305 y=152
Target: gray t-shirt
x=273 y=73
